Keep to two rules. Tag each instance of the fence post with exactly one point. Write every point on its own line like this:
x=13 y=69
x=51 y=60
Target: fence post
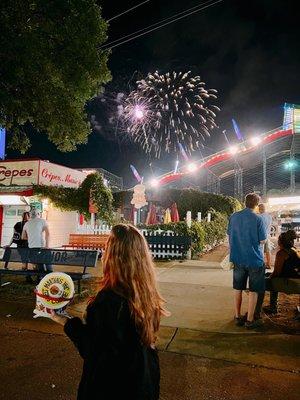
x=135 y=217
x=199 y=217
x=189 y=224
x=208 y=217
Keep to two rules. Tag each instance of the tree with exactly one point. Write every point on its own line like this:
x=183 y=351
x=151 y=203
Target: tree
x=50 y=65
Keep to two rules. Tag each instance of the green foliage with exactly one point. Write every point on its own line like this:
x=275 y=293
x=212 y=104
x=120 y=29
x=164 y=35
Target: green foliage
x=50 y=66
x=204 y=234
x=187 y=200
x=72 y=199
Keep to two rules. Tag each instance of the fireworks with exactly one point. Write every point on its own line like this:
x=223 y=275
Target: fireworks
x=168 y=112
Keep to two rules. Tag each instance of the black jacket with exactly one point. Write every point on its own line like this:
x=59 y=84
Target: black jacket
x=116 y=365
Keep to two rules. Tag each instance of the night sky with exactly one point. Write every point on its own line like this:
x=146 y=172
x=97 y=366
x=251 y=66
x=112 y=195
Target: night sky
x=247 y=50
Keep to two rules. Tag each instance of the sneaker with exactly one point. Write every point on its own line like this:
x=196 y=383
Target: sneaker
x=253 y=324
x=270 y=310
x=240 y=321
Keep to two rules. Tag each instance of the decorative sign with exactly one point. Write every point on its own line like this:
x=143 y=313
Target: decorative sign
x=29 y=172
x=54 y=292
x=139 y=197
x=57 y=175
x=21 y=173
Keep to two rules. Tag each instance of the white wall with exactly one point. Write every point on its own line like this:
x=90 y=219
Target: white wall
x=61 y=224
x=11 y=215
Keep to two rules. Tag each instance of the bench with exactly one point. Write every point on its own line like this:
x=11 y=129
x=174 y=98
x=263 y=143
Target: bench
x=87 y=241
x=168 y=245
x=67 y=258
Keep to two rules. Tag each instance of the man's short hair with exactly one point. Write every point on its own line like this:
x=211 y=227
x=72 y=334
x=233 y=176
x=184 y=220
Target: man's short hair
x=252 y=200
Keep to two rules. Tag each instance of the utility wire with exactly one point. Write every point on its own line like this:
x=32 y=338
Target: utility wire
x=120 y=41
x=127 y=11
x=156 y=23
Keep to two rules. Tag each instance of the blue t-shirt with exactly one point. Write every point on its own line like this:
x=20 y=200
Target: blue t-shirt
x=246 y=230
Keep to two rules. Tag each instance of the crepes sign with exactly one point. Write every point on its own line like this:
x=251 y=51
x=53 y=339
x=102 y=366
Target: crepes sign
x=21 y=173
x=38 y=172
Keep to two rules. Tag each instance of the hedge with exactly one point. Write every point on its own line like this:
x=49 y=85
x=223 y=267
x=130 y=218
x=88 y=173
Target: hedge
x=205 y=235
x=186 y=199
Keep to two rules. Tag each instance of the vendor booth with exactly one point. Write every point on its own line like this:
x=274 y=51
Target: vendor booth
x=17 y=178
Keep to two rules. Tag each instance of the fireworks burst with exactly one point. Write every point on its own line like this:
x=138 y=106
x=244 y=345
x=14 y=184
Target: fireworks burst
x=169 y=111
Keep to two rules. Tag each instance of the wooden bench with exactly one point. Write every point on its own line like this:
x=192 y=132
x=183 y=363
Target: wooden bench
x=86 y=241
x=67 y=258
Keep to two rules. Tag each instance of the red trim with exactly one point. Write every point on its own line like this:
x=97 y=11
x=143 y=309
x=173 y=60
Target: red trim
x=55 y=299
x=27 y=193
x=215 y=159
x=21 y=159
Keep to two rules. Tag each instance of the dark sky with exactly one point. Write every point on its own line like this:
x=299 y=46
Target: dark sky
x=247 y=50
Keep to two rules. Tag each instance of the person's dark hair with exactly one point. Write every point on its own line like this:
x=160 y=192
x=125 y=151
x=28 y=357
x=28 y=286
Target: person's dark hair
x=286 y=239
x=25 y=214
x=252 y=200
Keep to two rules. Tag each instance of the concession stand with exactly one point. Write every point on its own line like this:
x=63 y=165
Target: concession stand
x=17 y=178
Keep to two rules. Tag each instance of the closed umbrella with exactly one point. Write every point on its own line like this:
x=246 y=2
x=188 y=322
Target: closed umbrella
x=167 y=216
x=174 y=213
x=151 y=217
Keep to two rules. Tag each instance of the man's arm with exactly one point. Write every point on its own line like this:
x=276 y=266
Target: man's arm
x=47 y=235
x=24 y=235
x=262 y=232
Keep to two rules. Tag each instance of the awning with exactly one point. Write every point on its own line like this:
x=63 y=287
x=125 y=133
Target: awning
x=16 y=190
x=13 y=200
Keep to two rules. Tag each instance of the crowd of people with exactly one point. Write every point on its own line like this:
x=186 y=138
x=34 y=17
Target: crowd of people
x=249 y=241
x=33 y=233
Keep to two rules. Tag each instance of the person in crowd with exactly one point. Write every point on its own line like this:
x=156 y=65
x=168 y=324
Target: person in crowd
x=21 y=243
x=267 y=218
x=287 y=265
x=247 y=234
x=117 y=338
x=17 y=235
x=36 y=231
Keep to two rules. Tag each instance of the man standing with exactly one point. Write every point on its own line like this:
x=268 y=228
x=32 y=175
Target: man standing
x=267 y=219
x=247 y=234
x=34 y=231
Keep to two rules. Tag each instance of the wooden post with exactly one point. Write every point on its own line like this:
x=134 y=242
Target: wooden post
x=199 y=217
x=135 y=217
x=208 y=217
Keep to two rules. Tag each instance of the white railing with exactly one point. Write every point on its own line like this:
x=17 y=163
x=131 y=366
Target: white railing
x=95 y=230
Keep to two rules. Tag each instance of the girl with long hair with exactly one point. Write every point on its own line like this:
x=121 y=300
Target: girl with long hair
x=117 y=338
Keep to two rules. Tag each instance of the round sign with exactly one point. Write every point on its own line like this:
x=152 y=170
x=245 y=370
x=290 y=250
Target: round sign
x=55 y=290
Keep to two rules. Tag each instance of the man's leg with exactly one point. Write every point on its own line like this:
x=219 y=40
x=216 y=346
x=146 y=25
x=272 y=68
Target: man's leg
x=256 y=285
x=238 y=297
x=251 y=305
x=240 y=276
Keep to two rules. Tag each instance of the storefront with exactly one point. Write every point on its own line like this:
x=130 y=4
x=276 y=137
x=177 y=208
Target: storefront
x=17 y=178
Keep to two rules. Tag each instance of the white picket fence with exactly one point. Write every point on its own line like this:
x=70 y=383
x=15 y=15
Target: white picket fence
x=95 y=230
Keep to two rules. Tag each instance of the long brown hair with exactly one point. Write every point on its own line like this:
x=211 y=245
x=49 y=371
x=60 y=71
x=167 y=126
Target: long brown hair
x=129 y=270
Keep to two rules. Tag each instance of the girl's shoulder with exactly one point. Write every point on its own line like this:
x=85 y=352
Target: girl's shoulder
x=108 y=297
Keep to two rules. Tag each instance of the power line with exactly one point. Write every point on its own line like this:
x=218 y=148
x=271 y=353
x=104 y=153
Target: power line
x=120 y=41
x=127 y=11
x=156 y=23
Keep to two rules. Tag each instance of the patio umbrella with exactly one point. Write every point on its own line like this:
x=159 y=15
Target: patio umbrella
x=167 y=216
x=151 y=217
x=174 y=213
